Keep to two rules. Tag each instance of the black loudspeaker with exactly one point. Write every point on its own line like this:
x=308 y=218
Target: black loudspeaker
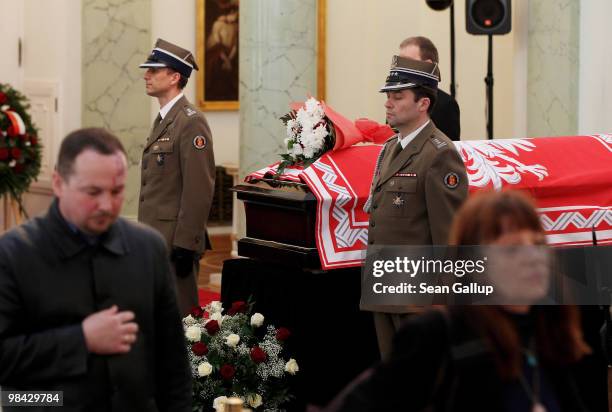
x=439 y=4
x=488 y=16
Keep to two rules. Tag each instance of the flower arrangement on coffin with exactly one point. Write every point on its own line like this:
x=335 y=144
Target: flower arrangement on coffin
x=314 y=128
x=309 y=134
x=235 y=354
x=20 y=151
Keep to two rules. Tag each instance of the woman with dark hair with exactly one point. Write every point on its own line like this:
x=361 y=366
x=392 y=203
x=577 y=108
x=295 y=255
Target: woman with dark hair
x=481 y=358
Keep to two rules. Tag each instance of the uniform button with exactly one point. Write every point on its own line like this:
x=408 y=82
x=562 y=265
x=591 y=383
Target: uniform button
x=371 y=242
x=378 y=189
x=375 y=207
x=372 y=224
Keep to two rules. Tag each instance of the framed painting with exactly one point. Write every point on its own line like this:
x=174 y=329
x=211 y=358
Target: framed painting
x=217 y=53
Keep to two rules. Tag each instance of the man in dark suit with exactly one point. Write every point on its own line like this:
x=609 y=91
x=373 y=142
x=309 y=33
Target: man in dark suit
x=178 y=168
x=419 y=181
x=445 y=113
x=87 y=305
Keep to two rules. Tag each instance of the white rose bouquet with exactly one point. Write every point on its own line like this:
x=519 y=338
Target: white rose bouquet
x=310 y=133
x=236 y=354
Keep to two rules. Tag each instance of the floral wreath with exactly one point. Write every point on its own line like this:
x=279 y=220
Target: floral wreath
x=20 y=151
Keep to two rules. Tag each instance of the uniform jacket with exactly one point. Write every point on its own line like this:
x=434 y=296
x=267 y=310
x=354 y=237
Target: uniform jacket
x=178 y=177
x=412 y=202
x=51 y=279
x=415 y=195
x=445 y=115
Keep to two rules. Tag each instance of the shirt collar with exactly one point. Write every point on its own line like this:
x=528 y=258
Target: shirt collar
x=410 y=136
x=164 y=110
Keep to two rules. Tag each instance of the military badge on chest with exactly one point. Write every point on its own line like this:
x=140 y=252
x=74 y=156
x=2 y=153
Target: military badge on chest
x=160 y=159
x=398 y=201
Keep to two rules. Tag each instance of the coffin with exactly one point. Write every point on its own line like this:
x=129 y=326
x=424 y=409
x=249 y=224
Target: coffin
x=280 y=223
x=316 y=218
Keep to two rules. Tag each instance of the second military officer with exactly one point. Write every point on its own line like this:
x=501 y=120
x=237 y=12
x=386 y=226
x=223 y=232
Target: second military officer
x=178 y=167
x=420 y=179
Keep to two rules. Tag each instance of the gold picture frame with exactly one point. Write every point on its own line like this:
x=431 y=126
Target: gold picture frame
x=219 y=66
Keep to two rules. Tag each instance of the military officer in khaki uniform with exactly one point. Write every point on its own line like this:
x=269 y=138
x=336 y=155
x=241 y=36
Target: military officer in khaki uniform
x=420 y=179
x=178 y=168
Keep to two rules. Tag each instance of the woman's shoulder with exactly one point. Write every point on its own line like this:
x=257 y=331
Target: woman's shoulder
x=425 y=332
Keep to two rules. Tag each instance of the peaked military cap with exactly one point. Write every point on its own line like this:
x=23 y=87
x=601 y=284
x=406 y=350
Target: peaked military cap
x=166 y=54
x=407 y=73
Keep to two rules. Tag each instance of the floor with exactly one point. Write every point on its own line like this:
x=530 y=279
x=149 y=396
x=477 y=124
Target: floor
x=212 y=262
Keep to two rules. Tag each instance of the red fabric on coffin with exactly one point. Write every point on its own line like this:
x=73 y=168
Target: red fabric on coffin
x=373 y=131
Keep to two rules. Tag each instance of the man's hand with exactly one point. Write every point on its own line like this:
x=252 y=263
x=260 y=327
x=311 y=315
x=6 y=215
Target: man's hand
x=109 y=331
x=183 y=260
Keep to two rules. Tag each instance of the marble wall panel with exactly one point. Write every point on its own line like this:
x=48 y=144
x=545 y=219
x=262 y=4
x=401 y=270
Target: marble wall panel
x=552 y=74
x=278 y=59
x=116 y=39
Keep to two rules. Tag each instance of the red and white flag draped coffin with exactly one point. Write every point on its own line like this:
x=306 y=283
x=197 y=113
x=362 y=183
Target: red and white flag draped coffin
x=569 y=177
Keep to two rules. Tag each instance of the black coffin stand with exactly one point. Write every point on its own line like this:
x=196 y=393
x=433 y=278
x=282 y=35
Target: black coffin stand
x=331 y=339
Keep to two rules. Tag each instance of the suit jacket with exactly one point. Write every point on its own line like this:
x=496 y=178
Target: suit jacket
x=445 y=115
x=51 y=279
x=415 y=195
x=178 y=177
x=441 y=365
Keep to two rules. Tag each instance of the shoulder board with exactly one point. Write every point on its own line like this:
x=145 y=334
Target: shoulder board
x=190 y=111
x=438 y=143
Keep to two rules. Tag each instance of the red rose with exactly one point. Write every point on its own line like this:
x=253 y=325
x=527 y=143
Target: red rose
x=282 y=334
x=227 y=372
x=16 y=152
x=3 y=98
x=199 y=349
x=258 y=355
x=33 y=140
x=212 y=327
x=4 y=154
x=197 y=312
x=19 y=168
x=237 y=307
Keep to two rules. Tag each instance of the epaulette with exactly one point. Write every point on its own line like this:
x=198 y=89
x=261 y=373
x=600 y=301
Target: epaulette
x=189 y=111
x=439 y=144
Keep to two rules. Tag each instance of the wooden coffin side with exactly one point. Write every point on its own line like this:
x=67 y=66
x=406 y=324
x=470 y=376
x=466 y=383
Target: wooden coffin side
x=280 y=224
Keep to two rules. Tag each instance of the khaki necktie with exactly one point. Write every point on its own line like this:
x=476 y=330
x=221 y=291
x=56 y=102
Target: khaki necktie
x=156 y=123
x=396 y=150
x=158 y=120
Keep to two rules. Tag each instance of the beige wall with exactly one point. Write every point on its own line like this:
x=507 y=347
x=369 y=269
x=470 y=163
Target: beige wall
x=52 y=51
x=362 y=36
